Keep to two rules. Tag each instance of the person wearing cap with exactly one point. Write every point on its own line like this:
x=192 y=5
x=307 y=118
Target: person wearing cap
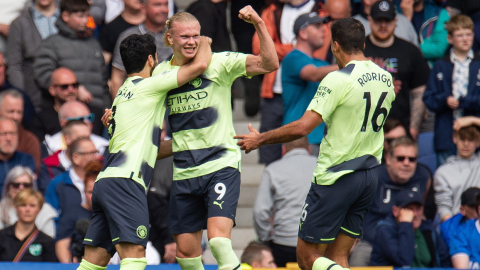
x=304 y=73
x=465 y=243
x=403 y=60
x=405 y=239
x=467 y=212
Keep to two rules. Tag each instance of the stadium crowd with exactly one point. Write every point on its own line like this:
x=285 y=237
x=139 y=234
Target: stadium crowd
x=60 y=67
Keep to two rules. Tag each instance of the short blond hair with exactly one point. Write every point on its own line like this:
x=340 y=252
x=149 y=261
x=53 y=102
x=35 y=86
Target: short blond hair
x=24 y=196
x=180 y=17
x=458 y=22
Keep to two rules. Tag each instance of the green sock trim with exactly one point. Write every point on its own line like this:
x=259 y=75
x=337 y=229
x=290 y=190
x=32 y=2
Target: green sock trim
x=133 y=263
x=84 y=265
x=324 y=263
x=222 y=251
x=190 y=263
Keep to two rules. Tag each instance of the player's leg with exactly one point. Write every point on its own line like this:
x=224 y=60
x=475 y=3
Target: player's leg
x=189 y=250
x=132 y=256
x=95 y=258
x=339 y=250
x=222 y=199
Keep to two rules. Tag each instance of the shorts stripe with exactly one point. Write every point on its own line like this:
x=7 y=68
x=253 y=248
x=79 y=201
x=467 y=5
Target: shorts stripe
x=327 y=239
x=89 y=240
x=349 y=231
x=113 y=240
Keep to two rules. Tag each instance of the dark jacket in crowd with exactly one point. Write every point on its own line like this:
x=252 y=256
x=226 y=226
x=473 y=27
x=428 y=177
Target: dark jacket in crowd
x=439 y=88
x=82 y=55
x=18 y=159
x=395 y=244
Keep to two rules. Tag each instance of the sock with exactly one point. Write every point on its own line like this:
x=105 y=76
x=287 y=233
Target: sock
x=222 y=251
x=190 y=263
x=84 y=265
x=133 y=263
x=324 y=263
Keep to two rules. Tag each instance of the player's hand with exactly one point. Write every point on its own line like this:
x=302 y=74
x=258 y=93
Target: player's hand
x=406 y=215
x=249 y=15
x=84 y=95
x=249 y=141
x=170 y=252
x=463 y=122
x=205 y=39
x=452 y=103
x=106 y=117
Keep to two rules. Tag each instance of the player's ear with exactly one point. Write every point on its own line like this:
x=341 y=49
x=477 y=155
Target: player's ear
x=170 y=38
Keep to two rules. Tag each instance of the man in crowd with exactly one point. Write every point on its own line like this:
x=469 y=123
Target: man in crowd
x=403 y=60
x=257 y=255
x=9 y=156
x=280 y=198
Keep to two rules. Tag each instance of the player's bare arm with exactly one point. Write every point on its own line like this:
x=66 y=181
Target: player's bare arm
x=199 y=63
x=267 y=61
x=283 y=134
x=418 y=111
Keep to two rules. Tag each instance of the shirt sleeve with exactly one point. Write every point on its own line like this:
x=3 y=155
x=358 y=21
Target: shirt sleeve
x=117 y=58
x=459 y=242
x=233 y=63
x=295 y=63
x=162 y=82
x=329 y=94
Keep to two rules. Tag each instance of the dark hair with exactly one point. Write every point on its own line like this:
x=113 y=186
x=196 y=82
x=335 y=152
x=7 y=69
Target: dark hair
x=458 y=22
x=391 y=124
x=469 y=133
x=135 y=50
x=72 y=6
x=477 y=203
x=402 y=141
x=253 y=252
x=350 y=35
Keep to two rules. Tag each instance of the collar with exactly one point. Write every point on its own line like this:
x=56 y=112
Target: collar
x=64 y=161
x=74 y=177
x=296 y=152
x=38 y=15
x=453 y=56
x=10 y=231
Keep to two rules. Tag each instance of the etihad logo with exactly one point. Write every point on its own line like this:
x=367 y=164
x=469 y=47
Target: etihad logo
x=185 y=98
x=196 y=82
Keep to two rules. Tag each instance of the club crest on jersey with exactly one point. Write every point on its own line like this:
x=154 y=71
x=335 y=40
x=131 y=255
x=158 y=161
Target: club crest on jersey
x=35 y=249
x=196 y=82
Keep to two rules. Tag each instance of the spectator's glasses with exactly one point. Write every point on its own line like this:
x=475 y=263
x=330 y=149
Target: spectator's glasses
x=16 y=185
x=402 y=158
x=65 y=87
x=88 y=118
x=91 y=153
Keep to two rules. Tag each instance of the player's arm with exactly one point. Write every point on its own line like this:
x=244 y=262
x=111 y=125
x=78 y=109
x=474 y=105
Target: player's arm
x=165 y=149
x=283 y=134
x=62 y=249
x=267 y=61
x=199 y=63
x=315 y=74
x=418 y=111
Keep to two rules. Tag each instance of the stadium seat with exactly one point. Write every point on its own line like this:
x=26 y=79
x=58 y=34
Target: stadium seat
x=426 y=151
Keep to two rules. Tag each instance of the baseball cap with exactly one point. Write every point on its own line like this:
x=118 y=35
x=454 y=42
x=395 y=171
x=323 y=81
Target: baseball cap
x=383 y=10
x=469 y=196
x=305 y=20
x=406 y=197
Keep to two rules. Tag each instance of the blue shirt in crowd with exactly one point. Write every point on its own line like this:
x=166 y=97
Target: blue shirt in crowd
x=467 y=241
x=298 y=93
x=18 y=159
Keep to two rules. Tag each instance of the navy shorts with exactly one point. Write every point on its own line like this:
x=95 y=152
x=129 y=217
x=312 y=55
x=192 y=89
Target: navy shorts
x=120 y=214
x=338 y=207
x=194 y=200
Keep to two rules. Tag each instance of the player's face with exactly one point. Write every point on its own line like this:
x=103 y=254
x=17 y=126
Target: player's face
x=315 y=35
x=465 y=148
x=461 y=40
x=402 y=164
x=28 y=212
x=382 y=29
x=156 y=11
x=417 y=214
x=185 y=37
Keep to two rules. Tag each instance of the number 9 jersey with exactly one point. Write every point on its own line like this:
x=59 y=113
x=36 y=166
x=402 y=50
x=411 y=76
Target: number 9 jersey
x=354 y=103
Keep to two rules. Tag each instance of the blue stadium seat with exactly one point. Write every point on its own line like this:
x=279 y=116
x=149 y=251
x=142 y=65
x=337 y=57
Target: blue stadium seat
x=426 y=151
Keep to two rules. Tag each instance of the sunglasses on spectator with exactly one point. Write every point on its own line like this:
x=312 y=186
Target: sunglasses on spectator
x=16 y=185
x=88 y=118
x=402 y=158
x=66 y=86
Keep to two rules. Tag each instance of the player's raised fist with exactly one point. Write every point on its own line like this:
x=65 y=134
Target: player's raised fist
x=206 y=39
x=249 y=15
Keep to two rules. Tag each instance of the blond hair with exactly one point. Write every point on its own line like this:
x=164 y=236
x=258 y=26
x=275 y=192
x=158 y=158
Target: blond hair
x=458 y=22
x=24 y=196
x=180 y=17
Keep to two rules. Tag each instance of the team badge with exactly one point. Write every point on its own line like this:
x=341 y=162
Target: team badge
x=142 y=231
x=35 y=249
x=384 y=6
x=196 y=82
x=440 y=76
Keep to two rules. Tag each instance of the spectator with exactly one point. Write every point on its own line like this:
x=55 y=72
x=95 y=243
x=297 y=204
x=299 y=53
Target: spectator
x=23 y=241
x=392 y=129
x=458 y=173
x=281 y=196
x=131 y=15
x=469 y=8
x=11 y=106
x=67 y=236
x=74 y=110
x=467 y=212
x=403 y=239
x=279 y=19
x=257 y=255
x=9 y=11
x=452 y=90
x=35 y=24
x=75 y=48
x=18 y=179
x=300 y=81
x=67 y=189
x=9 y=156
x=428 y=19
x=399 y=172
x=28 y=109
x=213 y=18
x=156 y=12
x=403 y=60
x=403 y=28
x=464 y=247
x=59 y=161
